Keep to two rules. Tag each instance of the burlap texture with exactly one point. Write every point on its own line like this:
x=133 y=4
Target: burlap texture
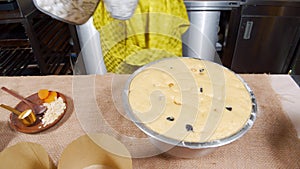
x=271 y=143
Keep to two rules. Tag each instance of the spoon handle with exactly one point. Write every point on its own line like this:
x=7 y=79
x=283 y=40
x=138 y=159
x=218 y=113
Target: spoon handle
x=17 y=96
x=10 y=109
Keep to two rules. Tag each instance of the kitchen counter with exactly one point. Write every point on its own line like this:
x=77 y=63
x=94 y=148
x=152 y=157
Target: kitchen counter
x=95 y=105
x=288 y=92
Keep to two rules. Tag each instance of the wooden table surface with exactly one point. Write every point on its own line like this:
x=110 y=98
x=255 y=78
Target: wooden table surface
x=95 y=105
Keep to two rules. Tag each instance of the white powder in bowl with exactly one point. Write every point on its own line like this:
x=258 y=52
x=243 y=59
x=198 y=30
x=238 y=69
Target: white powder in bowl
x=54 y=110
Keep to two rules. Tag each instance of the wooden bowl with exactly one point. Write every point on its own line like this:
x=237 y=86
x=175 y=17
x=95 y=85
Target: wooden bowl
x=37 y=127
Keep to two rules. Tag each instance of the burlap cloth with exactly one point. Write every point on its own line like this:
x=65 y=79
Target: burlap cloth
x=271 y=143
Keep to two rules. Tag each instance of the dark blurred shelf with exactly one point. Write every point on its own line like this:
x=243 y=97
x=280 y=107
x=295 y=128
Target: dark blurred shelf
x=54 y=45
x=8 y=5
x=12 y=31
x=13 y=62
x=32 y=43
x=13 y=43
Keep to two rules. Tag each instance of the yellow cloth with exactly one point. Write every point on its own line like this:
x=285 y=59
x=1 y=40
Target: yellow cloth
x=153 y=32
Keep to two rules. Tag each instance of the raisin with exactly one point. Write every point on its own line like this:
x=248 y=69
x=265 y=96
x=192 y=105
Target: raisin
x=228 y=108
x=170 y=118
x=201 y=70
x=189 y=127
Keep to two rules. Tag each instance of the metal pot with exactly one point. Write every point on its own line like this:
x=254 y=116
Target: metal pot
x=181 y=148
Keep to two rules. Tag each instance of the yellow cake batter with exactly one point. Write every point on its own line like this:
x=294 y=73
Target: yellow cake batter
x=190 y=100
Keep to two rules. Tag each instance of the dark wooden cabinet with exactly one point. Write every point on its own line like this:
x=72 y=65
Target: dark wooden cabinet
x=32 y=43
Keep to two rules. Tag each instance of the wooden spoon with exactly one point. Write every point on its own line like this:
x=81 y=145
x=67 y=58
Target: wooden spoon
x=36 y=108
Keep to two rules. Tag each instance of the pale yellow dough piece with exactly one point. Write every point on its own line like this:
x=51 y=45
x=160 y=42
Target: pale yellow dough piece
x=174 y=93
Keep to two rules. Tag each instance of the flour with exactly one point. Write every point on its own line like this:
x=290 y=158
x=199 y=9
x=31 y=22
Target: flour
x=72 y=11
x=79 y=11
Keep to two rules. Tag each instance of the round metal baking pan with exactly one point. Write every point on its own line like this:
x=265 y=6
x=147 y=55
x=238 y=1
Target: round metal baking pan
x=183 y=148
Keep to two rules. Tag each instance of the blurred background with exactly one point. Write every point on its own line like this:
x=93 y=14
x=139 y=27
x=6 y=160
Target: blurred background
x=247 y=36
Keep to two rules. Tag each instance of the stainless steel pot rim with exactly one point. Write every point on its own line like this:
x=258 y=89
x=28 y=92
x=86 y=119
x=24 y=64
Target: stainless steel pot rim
x=191 y=145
